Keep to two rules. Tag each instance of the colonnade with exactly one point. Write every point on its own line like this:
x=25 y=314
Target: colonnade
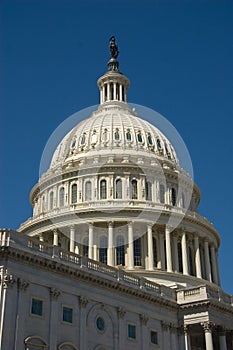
x=164 y=248
x=208 y=329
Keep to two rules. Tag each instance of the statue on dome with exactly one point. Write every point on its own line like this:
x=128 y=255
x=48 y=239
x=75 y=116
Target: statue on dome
x=113 y=47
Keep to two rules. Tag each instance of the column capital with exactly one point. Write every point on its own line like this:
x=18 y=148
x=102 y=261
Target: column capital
x=22 y=284
x=169 y=227
x=110 y=224
x=83 y=301
x=54 y=293
x=207 y=326
x=8 y=280
x=165 y=326
x=186 y=328
x=72 y=227
x=121 y=312
x=144 y=319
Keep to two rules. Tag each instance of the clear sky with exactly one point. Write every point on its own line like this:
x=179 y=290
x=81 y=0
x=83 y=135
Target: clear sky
x=178 y=56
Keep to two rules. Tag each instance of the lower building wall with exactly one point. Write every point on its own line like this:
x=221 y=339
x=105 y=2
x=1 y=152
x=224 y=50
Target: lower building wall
x=61 y=312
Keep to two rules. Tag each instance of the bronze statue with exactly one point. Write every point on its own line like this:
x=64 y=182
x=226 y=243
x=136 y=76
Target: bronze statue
x=113 y=47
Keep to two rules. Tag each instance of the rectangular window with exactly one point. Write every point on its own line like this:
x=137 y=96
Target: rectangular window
x=36 y=307
x=154 y=337
x=67 y=314
x=131 y=331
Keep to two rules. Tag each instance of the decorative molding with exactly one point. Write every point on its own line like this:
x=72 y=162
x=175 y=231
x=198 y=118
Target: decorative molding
x=121 y=312
x=22 y=284
x=144 y=319
x=207 y=326
x=165 y=326
x=8 y=280
x=54 y=293
x=83 y=301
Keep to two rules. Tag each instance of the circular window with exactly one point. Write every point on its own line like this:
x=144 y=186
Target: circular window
x=100 y=324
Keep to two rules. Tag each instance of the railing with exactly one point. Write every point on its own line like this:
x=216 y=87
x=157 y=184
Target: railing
x=21 y=241
x=204 y=292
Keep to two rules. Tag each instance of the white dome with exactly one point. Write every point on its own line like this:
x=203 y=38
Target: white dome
x=113 y=128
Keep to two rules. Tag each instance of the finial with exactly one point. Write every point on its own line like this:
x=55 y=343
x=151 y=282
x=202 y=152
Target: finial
x=113 y=64
x=113 y=47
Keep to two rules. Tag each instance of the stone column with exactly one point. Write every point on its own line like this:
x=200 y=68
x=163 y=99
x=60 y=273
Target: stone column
x=121 y=328
x=114 y=91
x=143 y=323
x=207 y=261
x=162 y=253
x=55 y=237
x=150 y=248
x=168 y=247
x=214 y=265
x=175 y=250
x=186 y=338
x=55 y=244
x=197 y=256
x=218 y=272
x=72 y=238
x=184 y=253
x=110 y=257
x=222 y=340
x=166 y=335
x=174 y=338
x=54 y=294
x=90 y=241
x=208 y=336
x=22 y=313
x=120 y=91
x=82 y=321
x=130 y=249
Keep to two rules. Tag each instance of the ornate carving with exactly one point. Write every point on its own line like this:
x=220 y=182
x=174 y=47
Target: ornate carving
x=207 y=326
x=144 y=319
x=121 y=312
x=8 y=280
x=22 y=284
x=186 y=328
x=165 y=326
x=54 y=293
x=83 y=301
x=113 y=47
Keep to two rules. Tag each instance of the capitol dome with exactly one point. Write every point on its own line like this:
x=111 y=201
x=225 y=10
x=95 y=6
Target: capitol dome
x=113 y=129
x=116 y=193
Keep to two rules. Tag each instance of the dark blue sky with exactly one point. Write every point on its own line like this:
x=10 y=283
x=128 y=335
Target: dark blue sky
x=178 y=56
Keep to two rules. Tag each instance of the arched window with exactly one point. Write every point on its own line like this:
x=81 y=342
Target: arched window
x=137 y=252
x=118 y=189
x=139 y=136
x=73 y=143
x=117 y=91
x=148 y=191
x=35 y=343
x=105 y=92
x=183 y=201
x=83 y=139
x=120 y=250
x=67 y=346
x=173 y=196
x=166 y=149
x=149 y=139
x=105 y=135
x=162 y=193
x=134 y=189
x=123 y=93
x=180 y=257
x=191 y=267
x=117 y=135
x=111 y=91
x=62 y=197
x=103 y=189
x=159 y=144
x=128 y=136
x=88 y=191
x=85 y=247
x=103 y=249
x=51 y=197
x=74 y=192
x=155 y=251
